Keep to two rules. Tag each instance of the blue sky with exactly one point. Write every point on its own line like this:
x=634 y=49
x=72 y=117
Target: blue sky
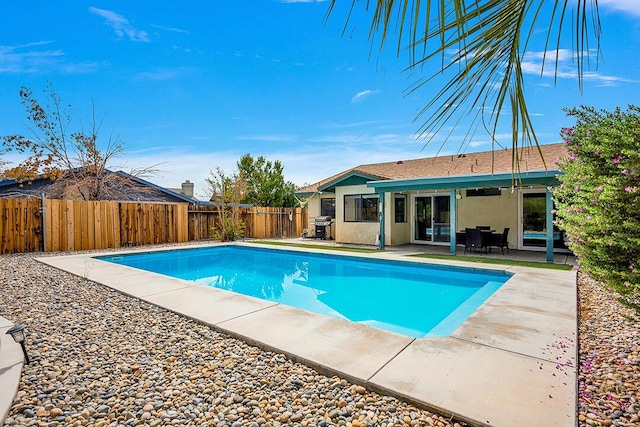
x=193 y=86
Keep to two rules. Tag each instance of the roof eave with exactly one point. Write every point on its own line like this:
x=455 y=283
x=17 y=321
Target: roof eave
x=305 y=193
x=330 y=186
x=548 y=177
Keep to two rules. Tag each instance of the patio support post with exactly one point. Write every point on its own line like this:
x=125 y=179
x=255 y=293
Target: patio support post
x=381 y=214
x=452 y=221
x=549 y=225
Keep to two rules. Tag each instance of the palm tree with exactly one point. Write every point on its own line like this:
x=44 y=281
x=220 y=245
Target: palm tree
x=482 y=44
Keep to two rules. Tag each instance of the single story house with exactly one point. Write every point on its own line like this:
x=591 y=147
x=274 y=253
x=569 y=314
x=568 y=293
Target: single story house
x=120 y=185
x=421 y=201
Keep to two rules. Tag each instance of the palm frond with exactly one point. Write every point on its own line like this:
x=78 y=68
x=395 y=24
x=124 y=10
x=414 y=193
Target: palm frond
x=481 y=45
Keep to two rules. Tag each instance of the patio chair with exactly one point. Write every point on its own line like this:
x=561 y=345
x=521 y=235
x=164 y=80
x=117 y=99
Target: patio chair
x=500 y=240
x=473 y=240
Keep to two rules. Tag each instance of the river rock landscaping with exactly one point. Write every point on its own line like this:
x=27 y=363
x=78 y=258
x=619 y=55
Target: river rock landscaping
x=101 y=358
x=609 y=370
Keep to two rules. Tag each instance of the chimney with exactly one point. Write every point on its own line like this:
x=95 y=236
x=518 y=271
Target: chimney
x=187 y=188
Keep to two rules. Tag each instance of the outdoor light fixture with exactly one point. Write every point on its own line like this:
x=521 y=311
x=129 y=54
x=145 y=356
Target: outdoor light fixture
x=17 y=333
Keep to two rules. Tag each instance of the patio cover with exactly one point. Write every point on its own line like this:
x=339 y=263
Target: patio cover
x=548 y=178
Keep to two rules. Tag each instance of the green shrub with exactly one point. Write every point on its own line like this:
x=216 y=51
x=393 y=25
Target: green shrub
x=598 y=203
x=230 y=229
x=226 y=193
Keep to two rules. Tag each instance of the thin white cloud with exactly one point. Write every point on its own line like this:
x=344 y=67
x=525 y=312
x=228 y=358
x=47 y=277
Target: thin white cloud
x=566 y=69
x=32 y=44
x=603 y=80
x=550 y=55
x=370 y=140
x=628 y=6
x=158 y=74
x=171 y=29
x=267 y=138
x=121 y=25
x=28 y=59
x=303 y=163
x=334 y=125
x=361 y=96
x=12 y=59
x=80 y=67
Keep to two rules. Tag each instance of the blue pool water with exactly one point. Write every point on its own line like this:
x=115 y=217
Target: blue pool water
x=409 y=298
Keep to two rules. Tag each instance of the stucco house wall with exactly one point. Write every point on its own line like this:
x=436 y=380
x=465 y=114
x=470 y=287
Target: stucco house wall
x=313 y=209
x=360 y=233
x=397 y=233
x=499 y=212
x=495 y=211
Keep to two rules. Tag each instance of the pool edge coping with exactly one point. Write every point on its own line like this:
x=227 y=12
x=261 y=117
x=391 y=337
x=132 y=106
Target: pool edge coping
x=80 y=270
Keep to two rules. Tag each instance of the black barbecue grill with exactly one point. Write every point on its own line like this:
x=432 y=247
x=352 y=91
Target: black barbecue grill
x=321 y=224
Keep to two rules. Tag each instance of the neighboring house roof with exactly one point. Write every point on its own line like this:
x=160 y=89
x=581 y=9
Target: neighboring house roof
x=179 y=191
x=186 y=189
x=167 y=191
x=467 y=164
x=152 y=193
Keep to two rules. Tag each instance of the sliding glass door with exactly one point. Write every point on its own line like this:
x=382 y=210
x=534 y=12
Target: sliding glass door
x=533 y=230
x=431 y=218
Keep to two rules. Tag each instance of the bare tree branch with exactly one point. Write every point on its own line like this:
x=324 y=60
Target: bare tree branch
x=78 y=167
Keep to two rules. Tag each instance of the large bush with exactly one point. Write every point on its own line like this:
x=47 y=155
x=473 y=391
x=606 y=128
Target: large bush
x=598 y=202
x=226 y=192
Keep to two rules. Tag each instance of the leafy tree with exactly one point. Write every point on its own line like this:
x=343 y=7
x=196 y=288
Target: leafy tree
x=73 y=160
x=226 y=193
x=482 y=45
x=265 y=183
x=598 y=202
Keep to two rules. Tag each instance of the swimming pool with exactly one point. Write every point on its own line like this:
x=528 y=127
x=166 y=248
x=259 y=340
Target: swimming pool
x=409 y=298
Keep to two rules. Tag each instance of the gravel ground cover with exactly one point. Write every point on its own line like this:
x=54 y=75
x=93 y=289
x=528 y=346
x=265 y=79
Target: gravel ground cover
x=104 y=359
x=100 y=358
x=609 y=370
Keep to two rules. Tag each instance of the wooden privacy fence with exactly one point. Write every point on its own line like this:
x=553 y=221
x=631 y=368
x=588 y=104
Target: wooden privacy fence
x=263 y=223
x=20 y=225
x=260 y=222
x=73 y=225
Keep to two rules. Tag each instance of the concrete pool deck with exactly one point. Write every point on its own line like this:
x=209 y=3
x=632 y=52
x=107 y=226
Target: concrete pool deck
x=512 y=363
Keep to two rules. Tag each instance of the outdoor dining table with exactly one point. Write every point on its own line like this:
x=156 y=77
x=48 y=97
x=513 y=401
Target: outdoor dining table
x=487 y=237
x=463 y=233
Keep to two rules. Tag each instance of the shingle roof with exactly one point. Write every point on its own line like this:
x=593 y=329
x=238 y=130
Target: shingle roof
x=145 y=191
x=483 y=163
